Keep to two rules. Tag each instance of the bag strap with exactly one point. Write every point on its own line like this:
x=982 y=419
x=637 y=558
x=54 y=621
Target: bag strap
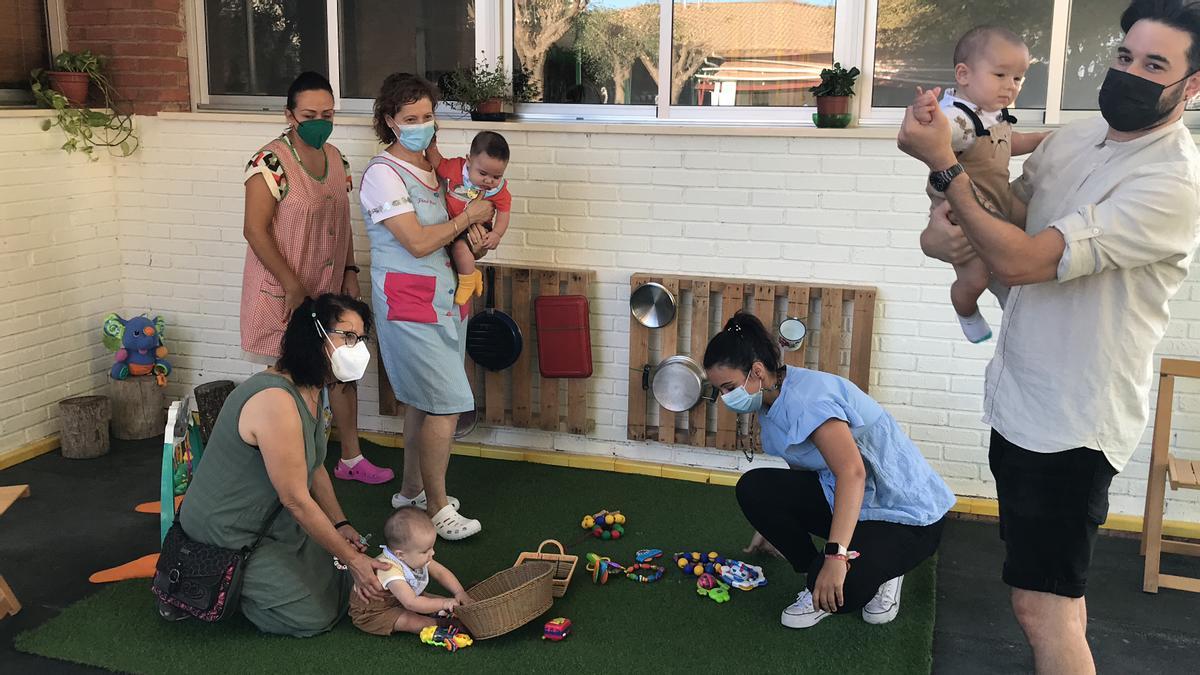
x=262 y=532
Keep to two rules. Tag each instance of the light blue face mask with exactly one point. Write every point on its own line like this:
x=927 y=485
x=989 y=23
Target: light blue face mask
x=466 y=176
x=415 y=137
x=741 y=401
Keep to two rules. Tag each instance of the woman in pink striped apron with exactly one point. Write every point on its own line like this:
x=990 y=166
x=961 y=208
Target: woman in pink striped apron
x=298 y=227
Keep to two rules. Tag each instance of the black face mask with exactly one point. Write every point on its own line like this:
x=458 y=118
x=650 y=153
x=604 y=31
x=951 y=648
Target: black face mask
x=1131 y=103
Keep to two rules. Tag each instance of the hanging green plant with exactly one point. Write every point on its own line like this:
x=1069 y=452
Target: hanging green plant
x=85 y=128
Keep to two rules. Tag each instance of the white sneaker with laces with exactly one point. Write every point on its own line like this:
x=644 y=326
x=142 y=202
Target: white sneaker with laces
x=886 y=604
x=802 y=613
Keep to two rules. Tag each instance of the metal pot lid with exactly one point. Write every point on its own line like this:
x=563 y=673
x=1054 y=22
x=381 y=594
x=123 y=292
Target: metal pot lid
x=466 y=424
x=677 y=383
x=652 y=305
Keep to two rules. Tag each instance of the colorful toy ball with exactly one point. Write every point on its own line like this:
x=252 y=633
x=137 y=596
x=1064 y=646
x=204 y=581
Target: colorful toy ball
x=695 y=556
x=588 y=522
x=683 y=563
x=712 y=556
x=615 y=534
x=698 y=570
x=706 y=581
x=610 y=520
x=557 y=629
x=620 y=518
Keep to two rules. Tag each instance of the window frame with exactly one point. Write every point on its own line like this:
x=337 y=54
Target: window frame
x=855 y=25
x=56 y=42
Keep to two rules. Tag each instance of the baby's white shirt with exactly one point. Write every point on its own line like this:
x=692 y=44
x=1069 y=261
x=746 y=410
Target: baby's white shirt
x=417 y=579
x=962 y=128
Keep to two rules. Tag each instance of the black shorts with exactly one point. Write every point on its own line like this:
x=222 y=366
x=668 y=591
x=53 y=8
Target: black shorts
x=1051 y=505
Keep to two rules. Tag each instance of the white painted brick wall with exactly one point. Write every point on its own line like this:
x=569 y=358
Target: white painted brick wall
x=61 y=267
x=805 y=208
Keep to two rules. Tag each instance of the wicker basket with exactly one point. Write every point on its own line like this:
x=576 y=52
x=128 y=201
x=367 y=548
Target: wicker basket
x=564 y=565
x=508 y=600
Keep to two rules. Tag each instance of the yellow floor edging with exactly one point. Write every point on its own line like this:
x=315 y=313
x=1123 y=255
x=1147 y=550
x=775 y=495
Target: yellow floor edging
x=28 y=451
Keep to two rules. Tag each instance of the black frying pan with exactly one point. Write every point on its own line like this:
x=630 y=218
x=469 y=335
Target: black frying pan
x=493 y=338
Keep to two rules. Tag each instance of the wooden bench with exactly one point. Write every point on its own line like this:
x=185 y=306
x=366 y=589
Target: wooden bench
x=1164 y=468
x=8 y=601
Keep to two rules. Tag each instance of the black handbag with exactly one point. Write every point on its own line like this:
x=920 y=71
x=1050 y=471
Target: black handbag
x=202 y=579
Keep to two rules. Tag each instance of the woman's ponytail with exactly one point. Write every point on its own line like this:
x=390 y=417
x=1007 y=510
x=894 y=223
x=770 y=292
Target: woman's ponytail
x=743 y=341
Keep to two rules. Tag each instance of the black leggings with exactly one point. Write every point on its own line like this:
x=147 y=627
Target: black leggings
x=786 y=506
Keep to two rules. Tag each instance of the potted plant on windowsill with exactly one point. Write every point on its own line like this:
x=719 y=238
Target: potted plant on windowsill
x=85 y=128
x=833 y=97
x=485 y=90
x=72 y=74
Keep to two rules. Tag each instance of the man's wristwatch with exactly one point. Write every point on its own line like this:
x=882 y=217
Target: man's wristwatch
x=834 y=548
x=940 y=180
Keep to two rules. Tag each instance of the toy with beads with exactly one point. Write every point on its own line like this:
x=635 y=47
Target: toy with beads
x=644 y=573
x=605 y=524
x=696 y=563
x=601 y=567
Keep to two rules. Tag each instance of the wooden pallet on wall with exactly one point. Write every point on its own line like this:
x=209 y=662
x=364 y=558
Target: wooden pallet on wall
x=519 y=396
x=840 y=321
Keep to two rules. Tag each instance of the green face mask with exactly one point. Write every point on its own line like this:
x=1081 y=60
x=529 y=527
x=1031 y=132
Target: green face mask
x=315 y=132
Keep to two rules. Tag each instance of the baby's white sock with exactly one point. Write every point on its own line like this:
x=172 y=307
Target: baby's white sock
x=975 y=327
x=350 y=463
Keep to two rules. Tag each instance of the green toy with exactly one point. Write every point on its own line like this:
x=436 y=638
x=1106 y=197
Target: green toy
x=718 y=593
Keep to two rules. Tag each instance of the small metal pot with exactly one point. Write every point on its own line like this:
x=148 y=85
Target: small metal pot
x=652 y=305
x=677 y=383
x=791 y=334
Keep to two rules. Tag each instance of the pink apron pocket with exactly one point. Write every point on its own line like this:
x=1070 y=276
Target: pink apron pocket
x=410 y=297
x=463 y=311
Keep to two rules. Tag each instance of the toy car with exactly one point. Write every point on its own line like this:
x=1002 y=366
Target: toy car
x=556 y=629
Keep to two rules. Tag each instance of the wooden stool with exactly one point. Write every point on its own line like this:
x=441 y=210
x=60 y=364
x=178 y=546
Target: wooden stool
x=138 y=408
x=83 y=426
x=8 y=601
x=1181 y=473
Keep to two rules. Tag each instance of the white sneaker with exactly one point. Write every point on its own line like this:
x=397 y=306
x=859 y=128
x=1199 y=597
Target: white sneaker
x=886 y=604
x=450 y=525
x=802 y=613
x=400 y=501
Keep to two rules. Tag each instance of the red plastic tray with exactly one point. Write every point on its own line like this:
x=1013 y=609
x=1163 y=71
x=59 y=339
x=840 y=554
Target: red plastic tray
x=564 y=336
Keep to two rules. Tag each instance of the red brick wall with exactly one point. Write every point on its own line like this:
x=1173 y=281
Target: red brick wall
x=144 y=43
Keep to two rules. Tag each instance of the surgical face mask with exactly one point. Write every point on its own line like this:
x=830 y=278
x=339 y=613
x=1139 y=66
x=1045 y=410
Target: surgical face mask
x=315 y=132
x=466 y=176
x=348 y=364
x=741 y=401
x=1132 y=103
x=415 y=137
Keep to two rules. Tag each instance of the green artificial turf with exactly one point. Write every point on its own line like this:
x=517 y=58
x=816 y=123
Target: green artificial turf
x=623 y=626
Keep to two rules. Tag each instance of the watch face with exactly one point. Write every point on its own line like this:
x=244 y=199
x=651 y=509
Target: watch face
x=831 y=548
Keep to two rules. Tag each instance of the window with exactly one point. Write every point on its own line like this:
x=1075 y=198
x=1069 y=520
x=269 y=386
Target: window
x=914 y=44
x=1092 y=41
x=257 y=47
x=380 y=37
x=749 y=53
x=24 y=46
x=603 y=52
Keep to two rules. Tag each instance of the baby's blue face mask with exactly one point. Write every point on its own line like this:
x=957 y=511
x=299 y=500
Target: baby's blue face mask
x=466 y=176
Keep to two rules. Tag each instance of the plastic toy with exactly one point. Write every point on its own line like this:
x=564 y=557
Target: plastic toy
x=652 y=572
x=605 y=524
x=138 y=345
x=556 y=630
x=647 y=554
x=446 y=637
x=718 y=593
x=696 y=563
x=707 y=581
x=743 y=576
x=601 y=567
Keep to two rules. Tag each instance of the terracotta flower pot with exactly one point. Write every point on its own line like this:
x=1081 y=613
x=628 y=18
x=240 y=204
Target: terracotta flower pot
x=833 y=105
x=72 y=85
x=489 y=107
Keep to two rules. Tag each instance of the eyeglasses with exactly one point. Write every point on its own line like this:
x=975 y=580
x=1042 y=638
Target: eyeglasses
x=351 y=337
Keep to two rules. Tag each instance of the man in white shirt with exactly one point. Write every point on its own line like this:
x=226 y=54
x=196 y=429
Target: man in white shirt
x=1111 y=226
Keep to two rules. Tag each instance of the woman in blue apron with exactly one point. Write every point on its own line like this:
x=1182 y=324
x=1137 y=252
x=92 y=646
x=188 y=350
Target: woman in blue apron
x=853 y=478
x=421 y=330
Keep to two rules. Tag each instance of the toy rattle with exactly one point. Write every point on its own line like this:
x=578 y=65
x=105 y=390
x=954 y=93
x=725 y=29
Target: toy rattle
x=601 y=567
x=652 y=572
x=446 y=637
x=696 y=563
x=605 y=524
x=743 y=576
x=708 y=586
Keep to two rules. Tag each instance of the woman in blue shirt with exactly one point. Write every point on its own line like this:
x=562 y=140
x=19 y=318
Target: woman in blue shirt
x=855 y=479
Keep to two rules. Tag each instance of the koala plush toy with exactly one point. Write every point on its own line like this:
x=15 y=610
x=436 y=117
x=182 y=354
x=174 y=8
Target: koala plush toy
x=139 y=346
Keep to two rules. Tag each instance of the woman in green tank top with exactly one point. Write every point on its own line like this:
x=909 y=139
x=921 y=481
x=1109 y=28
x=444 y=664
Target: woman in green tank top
x=268 y=447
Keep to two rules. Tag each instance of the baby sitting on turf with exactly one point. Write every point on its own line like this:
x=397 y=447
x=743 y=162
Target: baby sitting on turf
x=410 y=535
